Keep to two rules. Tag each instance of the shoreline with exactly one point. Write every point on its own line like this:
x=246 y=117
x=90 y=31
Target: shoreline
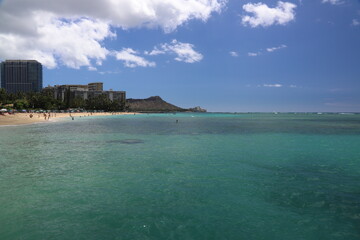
x=24 y=118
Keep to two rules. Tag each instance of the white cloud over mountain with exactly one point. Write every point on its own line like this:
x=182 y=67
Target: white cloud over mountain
x=263 y=15
x=268 y=50
x=71 y=32
x=253 y=54
x=276 y=85
x=355 y=22
x=273 y=49
x=334 y=2
x=131 y=59
x=184 y=51
x=233 y=54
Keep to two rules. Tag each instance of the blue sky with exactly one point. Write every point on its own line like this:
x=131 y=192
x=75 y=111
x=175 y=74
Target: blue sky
x=222 y=55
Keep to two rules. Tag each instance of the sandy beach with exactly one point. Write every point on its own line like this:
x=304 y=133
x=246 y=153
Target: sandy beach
x=24 y=118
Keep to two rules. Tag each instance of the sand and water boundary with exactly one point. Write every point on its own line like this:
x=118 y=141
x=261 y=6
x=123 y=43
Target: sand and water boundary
x=25 y=118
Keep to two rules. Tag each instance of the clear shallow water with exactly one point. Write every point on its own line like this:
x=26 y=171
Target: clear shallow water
x=210 y=176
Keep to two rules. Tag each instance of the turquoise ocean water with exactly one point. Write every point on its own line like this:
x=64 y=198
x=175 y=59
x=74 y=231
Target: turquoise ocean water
x=209 y=176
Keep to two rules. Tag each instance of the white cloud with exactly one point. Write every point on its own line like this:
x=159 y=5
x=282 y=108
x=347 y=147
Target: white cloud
x=167 y=14
x=72 y=32
x=73 y=43
x=184 y=51
x=155 y=52
x=273 y=85
x=265 y=16
x=269 y=50
x=234 y=54
x=276 y=48
x=355 y=22
x=131 y=59
x=334 y=2
x=252 y=54
x=91 y=68
x=109 y=72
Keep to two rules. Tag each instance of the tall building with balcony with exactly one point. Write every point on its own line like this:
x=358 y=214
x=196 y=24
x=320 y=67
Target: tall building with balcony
x=21 y=76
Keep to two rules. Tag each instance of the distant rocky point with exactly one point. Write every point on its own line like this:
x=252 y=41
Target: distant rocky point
x=156 y=104
x=152 y=104
x=197 y=109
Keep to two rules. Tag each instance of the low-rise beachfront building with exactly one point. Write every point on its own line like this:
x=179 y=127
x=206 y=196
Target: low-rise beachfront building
x=64 y=92
x=67 y=93
x=119 y=96
x=96 y=86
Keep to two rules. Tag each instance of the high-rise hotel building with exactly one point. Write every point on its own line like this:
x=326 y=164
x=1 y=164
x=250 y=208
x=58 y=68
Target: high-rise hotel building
x=21 y=76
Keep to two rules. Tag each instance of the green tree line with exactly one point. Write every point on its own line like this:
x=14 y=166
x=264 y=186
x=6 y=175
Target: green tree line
x=45 y=100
